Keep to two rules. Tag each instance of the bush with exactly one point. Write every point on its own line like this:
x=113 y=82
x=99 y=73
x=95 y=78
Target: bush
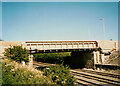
x=15 y=73
x=60 y=75
x=57 y=58
x=17 y=53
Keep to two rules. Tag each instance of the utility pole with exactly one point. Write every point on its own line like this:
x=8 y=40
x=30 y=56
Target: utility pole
x=102 y=19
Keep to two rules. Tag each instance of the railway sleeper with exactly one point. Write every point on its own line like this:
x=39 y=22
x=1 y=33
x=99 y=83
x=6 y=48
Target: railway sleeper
x=98 y=79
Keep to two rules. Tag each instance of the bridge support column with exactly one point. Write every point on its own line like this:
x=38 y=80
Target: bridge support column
x=96 y=57
x=102 y=58
x=30 y=60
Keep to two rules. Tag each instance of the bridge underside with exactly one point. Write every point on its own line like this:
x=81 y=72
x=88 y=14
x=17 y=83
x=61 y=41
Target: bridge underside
x=63 y=50
x=82 y=59
x=81 y=51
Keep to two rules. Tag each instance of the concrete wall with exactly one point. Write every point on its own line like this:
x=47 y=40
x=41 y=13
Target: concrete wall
x=107 y=46
x=7 y=44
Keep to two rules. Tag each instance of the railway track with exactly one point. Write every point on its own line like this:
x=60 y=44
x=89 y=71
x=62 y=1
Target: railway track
x=102 y=73
x=88 y=77
x=39 y=64
x=94 y=78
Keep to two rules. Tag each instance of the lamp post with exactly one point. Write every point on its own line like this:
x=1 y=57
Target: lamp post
x=102 y=19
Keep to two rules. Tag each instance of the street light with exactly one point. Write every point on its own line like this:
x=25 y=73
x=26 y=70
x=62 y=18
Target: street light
x=102 y=19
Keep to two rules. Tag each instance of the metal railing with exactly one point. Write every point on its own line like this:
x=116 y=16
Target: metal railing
x=49 y=45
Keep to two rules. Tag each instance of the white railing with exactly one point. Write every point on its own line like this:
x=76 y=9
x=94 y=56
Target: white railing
x=49 y=45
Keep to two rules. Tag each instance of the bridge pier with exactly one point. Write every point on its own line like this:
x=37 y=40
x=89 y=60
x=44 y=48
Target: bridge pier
x=30 y=60
x=102 y=58
x=96 y=56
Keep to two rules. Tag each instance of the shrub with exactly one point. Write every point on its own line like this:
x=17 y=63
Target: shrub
x=17 y=53
x=15 y=73
x=57 y=58
x=60 y=75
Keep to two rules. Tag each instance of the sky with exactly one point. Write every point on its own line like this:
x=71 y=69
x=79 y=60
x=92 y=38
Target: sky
x=60 y=0
x=23 y=21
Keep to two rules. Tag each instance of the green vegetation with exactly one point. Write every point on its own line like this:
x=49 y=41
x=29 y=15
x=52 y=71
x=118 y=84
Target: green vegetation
x=17 y=53
x=15 y=73
x=74 y=61
x=59 y=74
x=0 y=72
x=56 y=58
x=1 y=40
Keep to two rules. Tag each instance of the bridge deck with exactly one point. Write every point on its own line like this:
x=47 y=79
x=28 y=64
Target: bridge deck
x=60 y=45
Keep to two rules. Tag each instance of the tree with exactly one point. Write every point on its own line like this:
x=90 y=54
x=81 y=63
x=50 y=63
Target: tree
x=1 y=40
x=17 y=53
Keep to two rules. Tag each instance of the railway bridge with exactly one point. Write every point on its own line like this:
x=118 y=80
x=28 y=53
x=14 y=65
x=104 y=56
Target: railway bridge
x=80 y=50
x=59 y=46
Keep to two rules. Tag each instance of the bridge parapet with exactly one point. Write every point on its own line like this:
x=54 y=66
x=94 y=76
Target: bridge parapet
x=49 y=45
x=106 y=46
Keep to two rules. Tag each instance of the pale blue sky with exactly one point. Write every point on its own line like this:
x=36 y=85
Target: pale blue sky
x=60 y=0
x=59 y=21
